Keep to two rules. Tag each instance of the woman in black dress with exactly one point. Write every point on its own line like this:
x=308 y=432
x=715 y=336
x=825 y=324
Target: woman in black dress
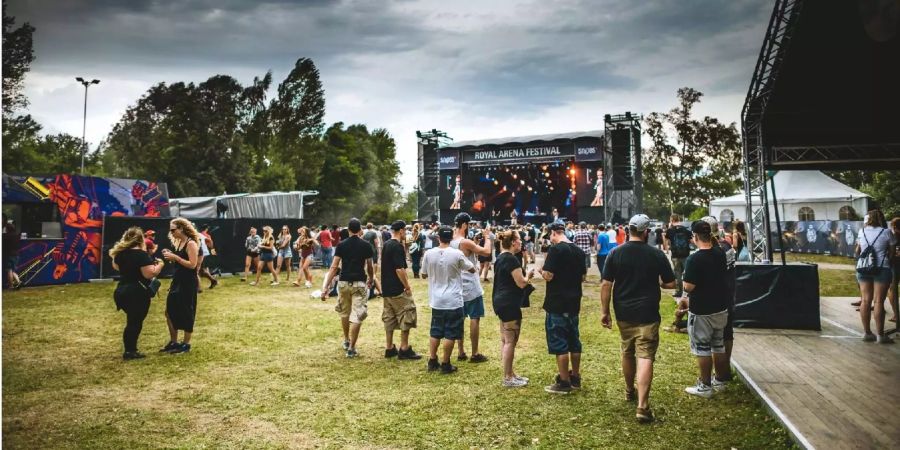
x=132 y=295
x=509 y=289
x=181 y=304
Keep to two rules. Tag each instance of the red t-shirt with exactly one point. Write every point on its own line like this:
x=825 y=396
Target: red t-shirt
x=620 y=236
x=325 y=238
x=335 y=238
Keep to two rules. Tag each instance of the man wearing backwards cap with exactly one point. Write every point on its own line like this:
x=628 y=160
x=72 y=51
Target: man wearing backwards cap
x=632 y=277
x=443 y=267
x=399 y=308
x=705 y=275
x=472 y=292
x=354 y=257
x=148 y=242
x=723 y=365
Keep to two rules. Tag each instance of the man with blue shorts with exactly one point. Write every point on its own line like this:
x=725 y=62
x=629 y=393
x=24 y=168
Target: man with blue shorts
x=564 y=270
x=471 y=282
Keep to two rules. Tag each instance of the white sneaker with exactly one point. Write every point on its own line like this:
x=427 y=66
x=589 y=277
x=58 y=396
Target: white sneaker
x=252 y=283
x=718 y=385
x=525 y=379
x=274 y=283
x=514 y=383
x=308 y=285
x=700 y=390
x=885 y=339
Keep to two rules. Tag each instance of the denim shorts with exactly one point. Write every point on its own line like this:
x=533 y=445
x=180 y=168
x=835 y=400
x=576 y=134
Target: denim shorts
x=474 y=308
x=562 y=334
x=285 y=253
x=265 y=256
x=447 y=323
x=884 y=275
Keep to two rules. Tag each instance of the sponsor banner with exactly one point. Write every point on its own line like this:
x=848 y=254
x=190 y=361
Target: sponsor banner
x=448 y=159
x=588 y=151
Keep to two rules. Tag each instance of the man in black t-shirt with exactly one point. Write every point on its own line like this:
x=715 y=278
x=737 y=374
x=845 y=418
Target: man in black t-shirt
x=399 y=308
x=722 y=365
x=632 y=277
x=678 y=242
x=705 y=280
x=353 y=256
x=564 y=272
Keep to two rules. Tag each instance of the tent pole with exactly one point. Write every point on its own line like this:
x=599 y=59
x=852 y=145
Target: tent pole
x=777 y=221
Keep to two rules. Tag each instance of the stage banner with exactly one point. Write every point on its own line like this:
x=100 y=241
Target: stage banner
x=837 y=237
x=519 y=154
x=82 y=203
x=588 y=151
x=448 y=159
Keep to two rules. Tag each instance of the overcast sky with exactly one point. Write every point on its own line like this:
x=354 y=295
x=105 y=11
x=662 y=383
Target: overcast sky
x=475 y=69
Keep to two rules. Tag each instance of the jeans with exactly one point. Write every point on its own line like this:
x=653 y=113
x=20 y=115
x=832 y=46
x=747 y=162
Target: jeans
x=136 y=310
x=416 y=262
x=327 y=256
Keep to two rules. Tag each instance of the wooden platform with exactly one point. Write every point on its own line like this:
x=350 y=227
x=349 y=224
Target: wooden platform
x=830 y=389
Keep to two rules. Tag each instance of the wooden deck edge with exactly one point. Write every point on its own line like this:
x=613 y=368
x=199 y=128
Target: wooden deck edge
x=772 y=408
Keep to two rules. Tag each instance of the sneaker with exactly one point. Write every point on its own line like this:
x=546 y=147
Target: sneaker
x=631 y=396
x=525 y=379
x=643 y=415
x=700 y=390
x=574 y=380
x=346 y=345
x=351 y=353
x=308 y=284
x=717 y=385
x=182 y=348
x=127 y=356
x=169 y=347
x=478 y=358
x=869 y=337
x=409 y=353
x=559 y=387
x=252 y=283
x=447 y=368
x=462 y=357
x=274 y=283
x=243 y=280
x=214 y=283
x=390 y=352
x=433 y=365
x=514 y=382
x=296 y=283
x=885 y=339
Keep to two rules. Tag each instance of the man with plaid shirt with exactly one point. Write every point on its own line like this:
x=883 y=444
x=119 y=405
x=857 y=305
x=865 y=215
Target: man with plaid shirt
x=585 y=241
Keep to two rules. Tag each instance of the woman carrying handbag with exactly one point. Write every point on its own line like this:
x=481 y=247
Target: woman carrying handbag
x=137 y=285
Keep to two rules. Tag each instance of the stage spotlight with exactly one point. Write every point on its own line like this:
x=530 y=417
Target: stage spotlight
x=496 y=182
x=547 y=174
x=572 y=171
x=522 y=182
x=529 y=188
x=544 y=167
x=515 y=176
x=549 y=181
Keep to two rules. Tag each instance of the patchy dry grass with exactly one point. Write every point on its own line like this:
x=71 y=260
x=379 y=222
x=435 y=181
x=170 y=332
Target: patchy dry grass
x=267 y=371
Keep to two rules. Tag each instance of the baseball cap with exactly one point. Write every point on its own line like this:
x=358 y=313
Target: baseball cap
x=640 y=222
x=355 y=225
x=582 y=224
x=556 y=226
x=150 y=233
x=712 y=221
x=398 y=225
x=445 y=234
x=701 y=227
x=462 y=218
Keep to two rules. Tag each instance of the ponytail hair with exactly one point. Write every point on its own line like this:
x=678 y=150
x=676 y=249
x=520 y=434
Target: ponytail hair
x=133 y=238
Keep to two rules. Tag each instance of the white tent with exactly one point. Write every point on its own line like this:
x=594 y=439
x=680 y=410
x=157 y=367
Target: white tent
x=266 y=205
x=802 y=195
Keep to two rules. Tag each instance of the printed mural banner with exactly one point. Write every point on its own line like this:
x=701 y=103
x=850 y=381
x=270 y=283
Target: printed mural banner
x=829 y=237
x=82 y=202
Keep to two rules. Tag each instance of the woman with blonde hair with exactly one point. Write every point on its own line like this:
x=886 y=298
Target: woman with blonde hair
x=136 y=269
x=416 y=249
x=304 y=247
x=266 y=256
x=181 y=303
x=283 y=247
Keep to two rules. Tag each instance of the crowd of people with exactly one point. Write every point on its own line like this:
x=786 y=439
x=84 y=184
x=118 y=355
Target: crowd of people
x=635 y=261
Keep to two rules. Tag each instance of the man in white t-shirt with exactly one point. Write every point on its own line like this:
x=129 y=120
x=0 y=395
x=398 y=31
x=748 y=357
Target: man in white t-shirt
x=611 y=232
x=443 y=267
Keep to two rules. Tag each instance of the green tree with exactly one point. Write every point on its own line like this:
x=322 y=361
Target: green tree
x=295 y=116
x=407 y=210
x=690 y=161
x=882 y=186
x=18 y=54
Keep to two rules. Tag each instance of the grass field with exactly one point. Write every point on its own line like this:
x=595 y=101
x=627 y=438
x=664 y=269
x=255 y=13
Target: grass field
x=267 y=371
x=814 y=258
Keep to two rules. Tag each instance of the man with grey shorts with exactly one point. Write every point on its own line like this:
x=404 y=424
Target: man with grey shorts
x=706 y=298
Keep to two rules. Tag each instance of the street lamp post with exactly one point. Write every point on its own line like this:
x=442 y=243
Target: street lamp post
x=86 y=84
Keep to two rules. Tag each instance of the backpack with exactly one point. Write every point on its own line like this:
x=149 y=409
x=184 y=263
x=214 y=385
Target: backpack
x=681 y=242
x=867 y=262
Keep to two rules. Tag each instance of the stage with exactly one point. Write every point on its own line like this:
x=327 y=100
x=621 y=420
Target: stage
x=828 y=387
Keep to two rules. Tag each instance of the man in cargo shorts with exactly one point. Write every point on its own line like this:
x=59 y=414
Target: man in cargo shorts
x=354 y=258
x=399 y=308
x=632 y=277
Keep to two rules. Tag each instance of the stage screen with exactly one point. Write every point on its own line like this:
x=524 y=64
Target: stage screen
x=589 y=184
x=450 y=190
x=532 y=190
